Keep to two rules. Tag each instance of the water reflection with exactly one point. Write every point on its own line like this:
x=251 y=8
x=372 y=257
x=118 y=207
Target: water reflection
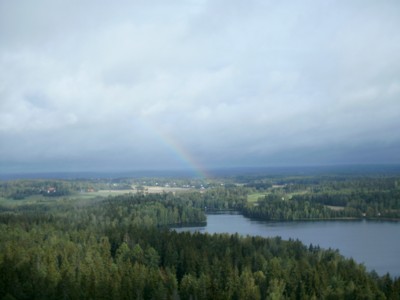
x=376 y=244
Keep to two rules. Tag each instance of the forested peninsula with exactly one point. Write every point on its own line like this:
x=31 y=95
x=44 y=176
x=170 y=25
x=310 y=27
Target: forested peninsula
x=99 y=239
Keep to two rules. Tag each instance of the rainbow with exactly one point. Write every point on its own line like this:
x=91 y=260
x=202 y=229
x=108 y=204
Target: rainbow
x=177 y=149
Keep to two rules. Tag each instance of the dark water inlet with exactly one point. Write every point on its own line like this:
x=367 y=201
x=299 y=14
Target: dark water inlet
x=376 y=244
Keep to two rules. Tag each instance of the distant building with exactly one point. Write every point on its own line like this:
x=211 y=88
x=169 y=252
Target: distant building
x=51 y=190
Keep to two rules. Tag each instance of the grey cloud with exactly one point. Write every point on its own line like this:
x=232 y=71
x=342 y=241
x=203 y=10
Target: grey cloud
x=234 y=83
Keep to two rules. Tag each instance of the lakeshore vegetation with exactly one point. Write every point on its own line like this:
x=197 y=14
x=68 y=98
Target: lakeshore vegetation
x=69 y=239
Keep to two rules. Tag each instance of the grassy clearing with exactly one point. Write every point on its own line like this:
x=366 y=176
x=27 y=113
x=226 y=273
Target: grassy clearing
x=146 y=189
x=36 y=199
x=290 y=195
x=83 y=196
x=335 y=208
x=3 y=201
x=252 y=198
x=27 y=200
x=102 y=193
x=165 y=189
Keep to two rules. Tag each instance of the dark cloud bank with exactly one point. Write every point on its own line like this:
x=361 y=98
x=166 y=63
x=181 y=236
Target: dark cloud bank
x=198 y=84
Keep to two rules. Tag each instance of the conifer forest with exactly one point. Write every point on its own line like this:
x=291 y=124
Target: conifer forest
x=102 y=239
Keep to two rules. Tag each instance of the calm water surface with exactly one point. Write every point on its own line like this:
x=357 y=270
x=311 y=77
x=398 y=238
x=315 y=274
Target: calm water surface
x=376 y=244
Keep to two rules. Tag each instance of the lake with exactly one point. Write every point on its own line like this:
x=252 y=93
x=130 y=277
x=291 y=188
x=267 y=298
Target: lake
x=376 y=244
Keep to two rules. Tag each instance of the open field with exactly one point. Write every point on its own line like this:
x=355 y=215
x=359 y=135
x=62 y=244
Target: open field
x=78 y=196
x=163 y=189
x=103 y=193
x=254 y=197
x=144 y=189
x=28 y=200
x=335 y=208
x=290 y=195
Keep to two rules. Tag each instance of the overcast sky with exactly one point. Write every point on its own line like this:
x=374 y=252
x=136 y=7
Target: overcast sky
x=125 y=85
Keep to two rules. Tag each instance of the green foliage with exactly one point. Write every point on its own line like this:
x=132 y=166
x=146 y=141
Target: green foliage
x=46 y=262
x=329 y=197
x=119 y=248
x=274 y=208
